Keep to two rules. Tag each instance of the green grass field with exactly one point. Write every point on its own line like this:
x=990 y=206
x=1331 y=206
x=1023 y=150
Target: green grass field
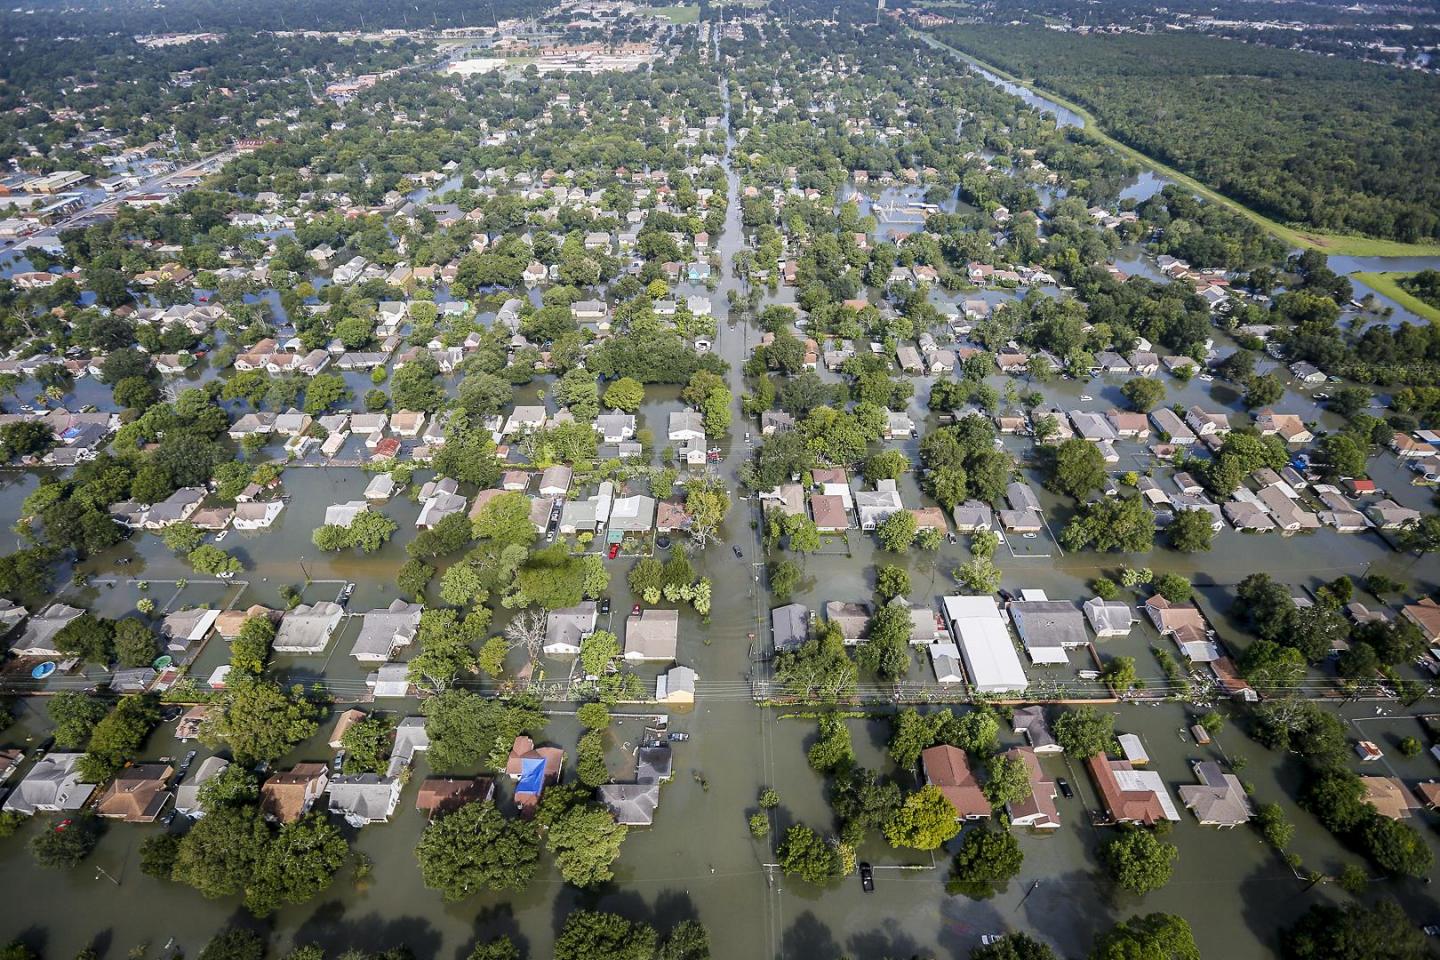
x=1388 y=284
x=678 y=14
x=1347 y=246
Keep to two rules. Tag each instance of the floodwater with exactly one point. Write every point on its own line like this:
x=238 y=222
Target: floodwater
x=699 y=860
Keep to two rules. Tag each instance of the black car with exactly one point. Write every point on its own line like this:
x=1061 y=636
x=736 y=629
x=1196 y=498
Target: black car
x=1064 y=786
x=738 y=554
x=604 y=604
x=867 y=878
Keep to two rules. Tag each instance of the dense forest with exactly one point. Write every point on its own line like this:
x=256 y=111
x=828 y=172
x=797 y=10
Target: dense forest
x=1334 y=145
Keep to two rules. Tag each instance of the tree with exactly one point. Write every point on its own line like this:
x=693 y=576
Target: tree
x=1084 y=732
x=1174 y=588
x=324 y=391
x=501 y=948
x=707 y=504
x=805 y=854
x=297 y=864
x=911 y=732
x=1191 y=531
x=1396 y=847
x=74 y=715
x=886 y=465
x=88 y=637
x=1270 y=667
x=597 y=651
x=1013 y=946
x=979 y=575
x=1263 y=390
x=233 y=943
x=593 y=716
x=1355 y=931
x=1143 y=393
x=250 y=649
x=591 y=935
x=924 y=821
x=1274 y=827
x=626 y=394
x=1008 y=781
x=476 y=848
x=25 y=438
x=688 y=941
x=210 y=559
x=1112 y=523
x=466 y=728
x=784 y=577
x=219 y=854
x=117 y=739
x=1139 y=862
x=1077 y=467
x=821 y=670
x=585 y=842
x=833 y=749
x=897 y=531
x=134 y=643
x=62 y=845
x=367 y=744
x=259 y=720
x=590 y=760
x=891 y=582
x=1155 y=936
x=986 y=861
x=887 y=652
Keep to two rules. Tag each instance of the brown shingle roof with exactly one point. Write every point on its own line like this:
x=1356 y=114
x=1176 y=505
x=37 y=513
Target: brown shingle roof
x=948 y=768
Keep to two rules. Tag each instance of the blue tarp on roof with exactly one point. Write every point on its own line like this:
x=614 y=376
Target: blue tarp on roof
x=532 y=775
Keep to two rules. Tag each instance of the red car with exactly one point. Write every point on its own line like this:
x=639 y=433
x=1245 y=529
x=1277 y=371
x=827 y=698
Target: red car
x=614 y=551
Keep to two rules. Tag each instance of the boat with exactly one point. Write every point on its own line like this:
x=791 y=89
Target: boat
x=221 y=535
x=43 y=670
x=678 y=737
x=163 y=662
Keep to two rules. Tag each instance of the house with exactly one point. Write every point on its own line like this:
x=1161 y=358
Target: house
x=1048 y=628
x=631 y=804
x=411 y=738
x=852 y=618
x=185 y=627
x=1185 y=625
x=1409 y=448
x=382 y=632
x=829 y=513
x=439 y=795
x=187 y=795
x=652 y=635
x=1389 y=515
x=1307 y=372
x=1129 y=795
x=675 y=686
x=1287 y=426
x=138 y=794
x=343 y=723
x=632 y=514
x=909 y=359
x=1169 y=424
x=686 y=425
x=1128 y=425
x=1038 y=810
x=983 y=640
x=565 y=628
x=52 y=785
x=877 y=506
x=555 y=481
x=948 y=768
x=972 y=516
x=257 y=515
x=1390 y=797
x=524 y=419
x=390 y=681
x=1031 y=722
x=439 y=498
x=615 y=427
x=364 y=798
x=288 y=796
x=898 y=425
x=38 y=640
x=790 y=626
x=344 y=514
x=1426 y=616
x=1109 y=618
x=1204 y=423
x=307 y=628
x=176 y=508
x=772 y=421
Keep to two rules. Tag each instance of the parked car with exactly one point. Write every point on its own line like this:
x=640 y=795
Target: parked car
x=604 y=604
x=867 y=878
x=1064 y=787
x=614 y=551
x=738 y=554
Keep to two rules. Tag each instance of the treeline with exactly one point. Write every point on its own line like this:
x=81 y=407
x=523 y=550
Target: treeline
x=1338 y=146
